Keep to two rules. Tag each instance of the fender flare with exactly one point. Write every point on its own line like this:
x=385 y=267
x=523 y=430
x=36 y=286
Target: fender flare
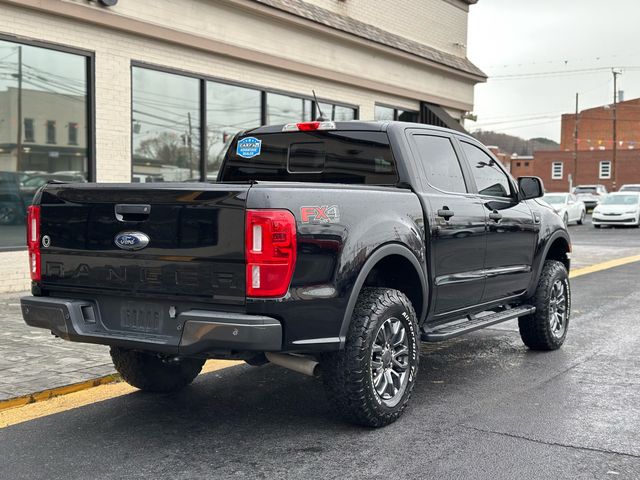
x=554 y=236
x=379 y=254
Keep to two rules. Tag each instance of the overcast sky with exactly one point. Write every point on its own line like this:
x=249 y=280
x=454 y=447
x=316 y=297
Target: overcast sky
x=514 y=40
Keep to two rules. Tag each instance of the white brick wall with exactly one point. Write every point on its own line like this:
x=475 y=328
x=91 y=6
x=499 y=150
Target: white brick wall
x=437 y=23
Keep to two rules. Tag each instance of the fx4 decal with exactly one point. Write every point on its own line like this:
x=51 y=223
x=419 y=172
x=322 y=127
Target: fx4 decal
x=320 y=214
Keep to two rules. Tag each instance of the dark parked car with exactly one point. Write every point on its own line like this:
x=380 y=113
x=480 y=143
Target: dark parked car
x=332 y=249
x=12 y=207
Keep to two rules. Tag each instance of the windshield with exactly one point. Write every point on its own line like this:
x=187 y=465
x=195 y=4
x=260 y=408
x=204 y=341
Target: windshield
x=630 y=188
x=585 y=190
x=555 y=199
x=620 y=200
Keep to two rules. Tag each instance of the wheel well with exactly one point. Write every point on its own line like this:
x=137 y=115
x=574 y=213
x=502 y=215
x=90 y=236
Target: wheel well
x=559 y=251
x=395 y=271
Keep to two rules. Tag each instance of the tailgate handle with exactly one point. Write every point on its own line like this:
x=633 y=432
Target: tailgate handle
x=132 y=212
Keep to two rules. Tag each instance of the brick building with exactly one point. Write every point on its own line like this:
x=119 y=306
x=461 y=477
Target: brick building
x=592 y=163
x=153 y=90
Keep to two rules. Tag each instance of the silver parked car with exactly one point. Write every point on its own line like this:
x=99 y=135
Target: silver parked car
x=590 y=194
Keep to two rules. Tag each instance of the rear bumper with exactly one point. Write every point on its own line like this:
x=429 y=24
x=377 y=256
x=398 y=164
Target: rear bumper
x=196 y=331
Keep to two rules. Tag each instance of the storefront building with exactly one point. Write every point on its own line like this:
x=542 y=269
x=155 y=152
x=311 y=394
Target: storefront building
x=154 y=90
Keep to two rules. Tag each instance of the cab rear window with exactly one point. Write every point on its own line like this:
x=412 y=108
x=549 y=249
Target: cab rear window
x=349 y=157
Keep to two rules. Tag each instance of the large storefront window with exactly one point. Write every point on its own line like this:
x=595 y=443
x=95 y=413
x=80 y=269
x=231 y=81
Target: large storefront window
x=43 y=128
x=337 y=113
x=285 y=109
x=172 y=112
x=166 y=127
x=389 y=113
x=230 y=109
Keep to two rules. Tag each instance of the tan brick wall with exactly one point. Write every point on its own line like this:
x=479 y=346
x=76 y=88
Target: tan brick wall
x=14 y=272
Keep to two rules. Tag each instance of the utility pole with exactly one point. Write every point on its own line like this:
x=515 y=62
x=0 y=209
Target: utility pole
x=189 y=145
x=574 y=178
x=614 y=167
x=19 y=139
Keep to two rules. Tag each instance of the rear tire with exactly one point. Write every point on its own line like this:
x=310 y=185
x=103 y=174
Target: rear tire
x=546 y=328
x=369 y=382
x=150 y=372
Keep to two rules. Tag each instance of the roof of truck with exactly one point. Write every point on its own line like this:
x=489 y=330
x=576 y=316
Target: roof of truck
x=359 y=125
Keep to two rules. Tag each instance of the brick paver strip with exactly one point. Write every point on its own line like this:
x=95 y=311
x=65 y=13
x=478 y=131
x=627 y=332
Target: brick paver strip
x=33 y=360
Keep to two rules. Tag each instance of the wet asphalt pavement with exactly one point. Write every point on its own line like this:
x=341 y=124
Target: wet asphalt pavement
x=483 y=407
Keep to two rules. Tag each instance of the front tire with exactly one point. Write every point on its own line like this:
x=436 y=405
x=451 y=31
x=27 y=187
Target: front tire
x=546 y=328
x=151 y=372
x=565 y=219
x=583 y=215
x=369 y=382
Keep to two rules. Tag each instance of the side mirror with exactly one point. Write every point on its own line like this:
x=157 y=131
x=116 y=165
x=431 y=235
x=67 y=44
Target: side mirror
x=530 y=187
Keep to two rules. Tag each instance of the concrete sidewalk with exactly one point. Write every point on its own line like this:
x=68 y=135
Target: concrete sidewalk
x=32 y=360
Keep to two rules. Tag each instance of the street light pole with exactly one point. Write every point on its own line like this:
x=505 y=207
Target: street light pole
x=614 y=167
x=574 y=179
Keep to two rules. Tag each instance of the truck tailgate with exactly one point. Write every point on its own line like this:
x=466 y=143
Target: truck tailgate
x=94 y=235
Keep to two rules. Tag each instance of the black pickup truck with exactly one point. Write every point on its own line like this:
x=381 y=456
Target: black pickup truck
x=332 y=249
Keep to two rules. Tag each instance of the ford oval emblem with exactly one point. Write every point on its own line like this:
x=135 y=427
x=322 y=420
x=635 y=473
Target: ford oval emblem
x=131 y=240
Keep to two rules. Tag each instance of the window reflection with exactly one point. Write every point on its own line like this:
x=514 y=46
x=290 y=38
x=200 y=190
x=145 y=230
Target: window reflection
x=285 y=109
x=384 y=113
x=337 y=113
x=43 y=94
x=166 y=127
x=230 y=109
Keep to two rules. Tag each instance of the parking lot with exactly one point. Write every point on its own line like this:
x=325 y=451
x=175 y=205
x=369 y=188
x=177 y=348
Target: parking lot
x=484 y=407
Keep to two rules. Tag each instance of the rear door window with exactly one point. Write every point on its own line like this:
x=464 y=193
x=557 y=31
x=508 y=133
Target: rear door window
x=351 y=157
x=440 y=163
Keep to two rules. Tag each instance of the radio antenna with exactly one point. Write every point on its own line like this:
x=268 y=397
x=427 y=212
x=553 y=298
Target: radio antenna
x=321 y=117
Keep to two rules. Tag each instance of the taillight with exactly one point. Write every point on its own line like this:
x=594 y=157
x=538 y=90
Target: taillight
x=33 y=241
x=270 y=244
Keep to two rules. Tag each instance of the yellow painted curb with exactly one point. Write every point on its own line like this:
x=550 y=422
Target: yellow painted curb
x=617 y=262
x=31 y=407
x=56 y=392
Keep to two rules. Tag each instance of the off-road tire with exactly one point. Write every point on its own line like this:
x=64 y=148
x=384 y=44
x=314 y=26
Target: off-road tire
x=535 y=329
x=347 y=374
x=152 y=373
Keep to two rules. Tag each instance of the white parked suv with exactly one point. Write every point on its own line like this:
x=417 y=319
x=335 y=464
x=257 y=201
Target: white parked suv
x=618 y=208
x=568 y=206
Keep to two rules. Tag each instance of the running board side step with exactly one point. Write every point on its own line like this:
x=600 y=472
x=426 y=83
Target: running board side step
x=459 y=327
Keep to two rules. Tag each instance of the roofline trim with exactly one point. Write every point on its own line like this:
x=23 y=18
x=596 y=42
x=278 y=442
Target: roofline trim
x=259 y=5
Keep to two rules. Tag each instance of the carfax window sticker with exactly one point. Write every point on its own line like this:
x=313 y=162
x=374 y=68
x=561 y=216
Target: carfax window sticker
x=249 y=147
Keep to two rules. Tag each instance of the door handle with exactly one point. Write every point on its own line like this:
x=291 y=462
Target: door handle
x=495 y=215
x=445 y=213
